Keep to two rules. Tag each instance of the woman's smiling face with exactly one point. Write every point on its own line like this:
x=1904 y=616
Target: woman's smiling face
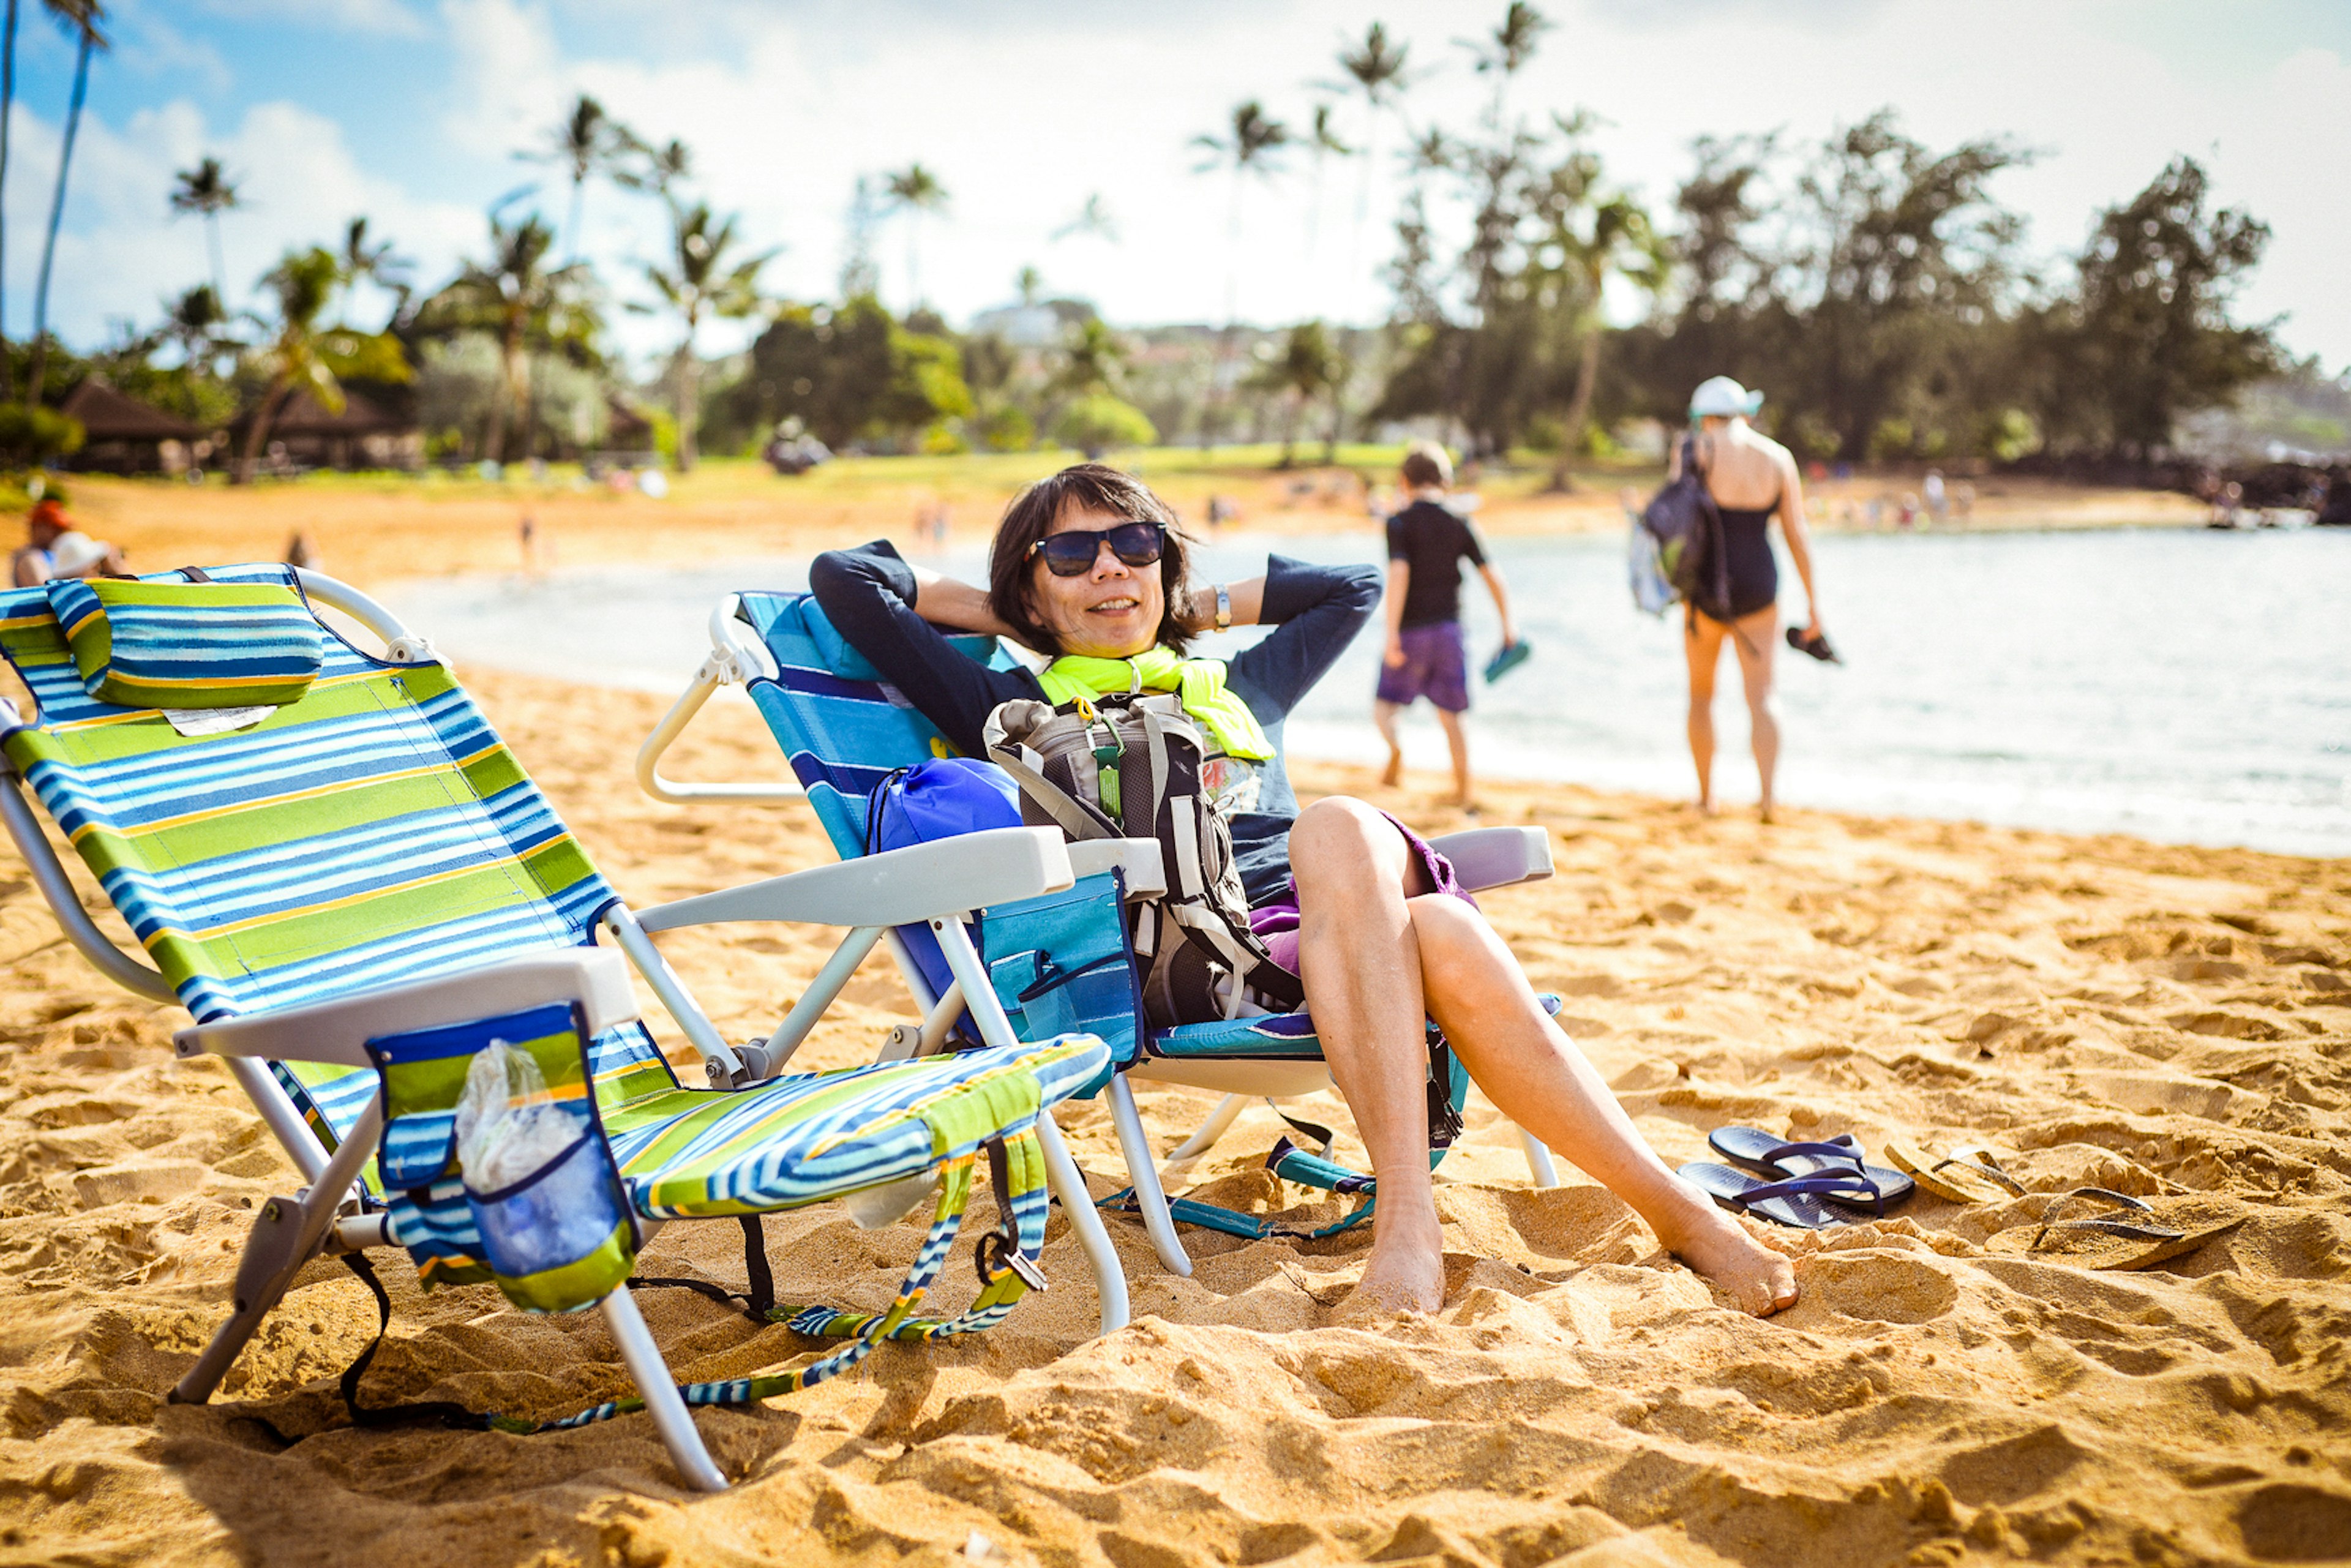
x=1110 y=611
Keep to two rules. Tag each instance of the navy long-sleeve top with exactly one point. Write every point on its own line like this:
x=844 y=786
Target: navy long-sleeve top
x=868 y=593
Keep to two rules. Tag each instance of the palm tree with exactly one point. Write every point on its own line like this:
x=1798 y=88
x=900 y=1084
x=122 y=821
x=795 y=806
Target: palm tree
x=1254 y=147
x=1307 y=367
x=1376 y=70
x=915 y=190
x=1502 y=53
x=517 y=298
x=1322 y=140
x=1093 y=218
x=700 y=285
x=195 y=322
x=588 y=140
x=8 y=110
x=657 y=171
x=207 y=191
x=1621 y=241
x=83 y=18
x=1094 y=361
x=301 y=354
x=378 y=264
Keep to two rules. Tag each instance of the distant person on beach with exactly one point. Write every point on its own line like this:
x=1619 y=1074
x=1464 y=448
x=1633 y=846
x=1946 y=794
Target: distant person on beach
x=1753 y=479
x=1427 y=656
x=1090 y=569
x=54 y=548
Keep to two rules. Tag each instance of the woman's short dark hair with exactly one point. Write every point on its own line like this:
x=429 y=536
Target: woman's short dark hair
x=1097 y=488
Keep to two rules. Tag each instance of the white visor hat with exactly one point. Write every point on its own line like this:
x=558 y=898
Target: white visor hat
x=1720 y=397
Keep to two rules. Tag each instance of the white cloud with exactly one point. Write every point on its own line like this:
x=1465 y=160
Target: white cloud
x=121 y=251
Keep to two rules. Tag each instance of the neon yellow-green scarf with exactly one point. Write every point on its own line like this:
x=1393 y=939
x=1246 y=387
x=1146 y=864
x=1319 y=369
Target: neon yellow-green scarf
x=1200 y=683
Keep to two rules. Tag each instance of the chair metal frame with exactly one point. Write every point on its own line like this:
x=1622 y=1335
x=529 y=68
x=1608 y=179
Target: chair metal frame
x=943 y=884
x=1483 y=858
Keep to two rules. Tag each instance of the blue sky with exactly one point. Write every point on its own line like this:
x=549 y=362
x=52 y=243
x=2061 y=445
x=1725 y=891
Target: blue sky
x=410 y=111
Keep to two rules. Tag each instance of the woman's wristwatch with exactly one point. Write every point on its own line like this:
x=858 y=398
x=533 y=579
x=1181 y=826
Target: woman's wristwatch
x=1224 y=608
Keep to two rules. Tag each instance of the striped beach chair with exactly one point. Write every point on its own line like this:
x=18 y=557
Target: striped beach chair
x=353 y=888
x=844 y=731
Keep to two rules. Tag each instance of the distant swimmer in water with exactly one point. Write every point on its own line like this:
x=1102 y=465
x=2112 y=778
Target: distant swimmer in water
x=1753 y=479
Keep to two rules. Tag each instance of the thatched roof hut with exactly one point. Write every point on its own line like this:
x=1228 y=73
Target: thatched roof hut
x=363 y=435
x=123 y=436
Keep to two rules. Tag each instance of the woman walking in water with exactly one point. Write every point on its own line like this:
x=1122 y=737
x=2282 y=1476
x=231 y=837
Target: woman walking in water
x=1753 y=479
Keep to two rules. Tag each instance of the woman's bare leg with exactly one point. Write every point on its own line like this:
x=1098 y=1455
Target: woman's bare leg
x=1535 y=1074
x=1361 y=969
x=1758 y=640
x=1702 y=645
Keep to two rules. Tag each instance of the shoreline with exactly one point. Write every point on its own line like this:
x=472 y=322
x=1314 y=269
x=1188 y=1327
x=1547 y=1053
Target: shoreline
x=378 y=531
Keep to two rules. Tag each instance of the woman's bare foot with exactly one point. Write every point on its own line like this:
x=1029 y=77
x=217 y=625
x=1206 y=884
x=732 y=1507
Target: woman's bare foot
x=1761 y=1281
x=1392 y=774
x=1407 y=1274
x=1763 y=813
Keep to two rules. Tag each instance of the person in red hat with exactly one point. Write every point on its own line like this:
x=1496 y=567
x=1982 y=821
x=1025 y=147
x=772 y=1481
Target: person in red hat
x=54 y=548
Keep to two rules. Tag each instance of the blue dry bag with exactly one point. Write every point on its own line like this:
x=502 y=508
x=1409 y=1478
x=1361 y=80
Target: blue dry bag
x=931 y=800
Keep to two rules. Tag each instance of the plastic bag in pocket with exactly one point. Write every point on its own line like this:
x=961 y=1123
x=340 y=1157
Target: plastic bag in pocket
x=539 y=1178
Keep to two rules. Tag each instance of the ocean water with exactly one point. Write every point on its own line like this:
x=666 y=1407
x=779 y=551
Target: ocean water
x=2180 y=685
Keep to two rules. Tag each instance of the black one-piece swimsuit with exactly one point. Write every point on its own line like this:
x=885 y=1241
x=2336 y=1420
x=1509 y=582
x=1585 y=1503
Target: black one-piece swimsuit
x=1747 y=542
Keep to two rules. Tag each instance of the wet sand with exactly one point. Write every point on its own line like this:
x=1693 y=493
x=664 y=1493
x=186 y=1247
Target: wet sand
x=2172 y=1023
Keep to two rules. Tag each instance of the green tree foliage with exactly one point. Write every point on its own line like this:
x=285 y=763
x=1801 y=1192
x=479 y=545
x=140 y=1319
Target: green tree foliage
x=301 y=354
x=1874 y=285
x=525 y=304
x=853 y=374
x=37 y=435
x=2146 y=336
x=1307 y=369
x=207 y=191
x=1097 y=422
x=698 y=284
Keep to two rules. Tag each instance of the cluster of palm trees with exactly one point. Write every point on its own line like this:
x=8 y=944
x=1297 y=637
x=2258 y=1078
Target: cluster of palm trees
x=529 y=293
x=1540 y=216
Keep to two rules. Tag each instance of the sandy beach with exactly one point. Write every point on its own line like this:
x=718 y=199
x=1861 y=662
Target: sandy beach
x=2172 y=1023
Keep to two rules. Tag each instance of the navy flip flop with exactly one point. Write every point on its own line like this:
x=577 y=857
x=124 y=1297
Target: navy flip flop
x=1795 y=1201
x=1753 y=1149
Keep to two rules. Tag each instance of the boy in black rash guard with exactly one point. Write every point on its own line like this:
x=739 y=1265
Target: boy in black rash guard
x=1426 y=656
x=1089 y=566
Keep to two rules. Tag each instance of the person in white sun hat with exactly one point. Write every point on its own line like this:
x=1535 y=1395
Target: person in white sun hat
x=1753 y=479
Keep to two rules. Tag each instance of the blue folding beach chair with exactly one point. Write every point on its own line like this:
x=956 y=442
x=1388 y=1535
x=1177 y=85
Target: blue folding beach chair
x=845 y=731
x=334 y=864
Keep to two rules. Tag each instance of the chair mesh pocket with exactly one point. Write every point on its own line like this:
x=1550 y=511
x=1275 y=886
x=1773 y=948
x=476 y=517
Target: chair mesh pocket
x=562 y=1238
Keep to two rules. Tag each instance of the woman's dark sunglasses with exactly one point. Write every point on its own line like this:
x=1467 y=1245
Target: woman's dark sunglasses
x=1073 y=553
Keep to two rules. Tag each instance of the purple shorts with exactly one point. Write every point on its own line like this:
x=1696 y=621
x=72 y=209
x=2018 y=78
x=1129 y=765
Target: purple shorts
x=1276 y=924
x=1436 y=666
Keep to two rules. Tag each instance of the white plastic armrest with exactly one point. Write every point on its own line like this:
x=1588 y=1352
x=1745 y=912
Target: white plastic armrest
x=733 y=661
x=337 y=1032
x=1496 y=857
x=1139 y=859
x=896 y=887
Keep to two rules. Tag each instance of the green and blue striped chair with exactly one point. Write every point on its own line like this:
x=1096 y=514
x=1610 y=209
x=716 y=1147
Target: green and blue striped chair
x=354 y=886
x=844 y=731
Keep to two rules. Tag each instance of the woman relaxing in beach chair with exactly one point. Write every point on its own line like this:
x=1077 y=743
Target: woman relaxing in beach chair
x=1089 y=566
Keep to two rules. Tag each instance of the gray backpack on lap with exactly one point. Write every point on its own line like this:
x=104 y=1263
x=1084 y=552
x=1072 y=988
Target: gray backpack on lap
x=1130 y=765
